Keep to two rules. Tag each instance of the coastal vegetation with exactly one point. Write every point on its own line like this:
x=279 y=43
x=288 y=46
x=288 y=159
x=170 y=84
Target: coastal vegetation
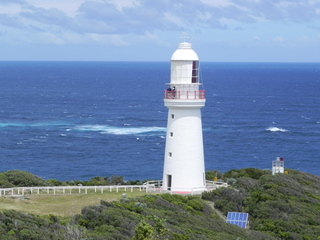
x=17 y=178
x=283 y=206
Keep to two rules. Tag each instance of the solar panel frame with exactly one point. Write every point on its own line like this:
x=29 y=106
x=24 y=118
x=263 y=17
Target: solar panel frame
x=237 y=218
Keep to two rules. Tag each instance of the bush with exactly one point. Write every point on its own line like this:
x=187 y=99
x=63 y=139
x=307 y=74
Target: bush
x=253 y=173
x=23 y=179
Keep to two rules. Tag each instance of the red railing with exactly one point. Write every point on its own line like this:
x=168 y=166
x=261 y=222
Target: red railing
x=184 y=95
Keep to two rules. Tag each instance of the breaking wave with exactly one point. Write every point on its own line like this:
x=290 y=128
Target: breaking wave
x=275 y=129
x=103 y=129
x=106 y=129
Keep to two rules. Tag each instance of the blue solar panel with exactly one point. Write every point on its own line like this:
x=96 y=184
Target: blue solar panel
x=239 y=219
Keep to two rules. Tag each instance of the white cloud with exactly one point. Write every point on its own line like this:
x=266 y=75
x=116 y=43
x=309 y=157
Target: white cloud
x=143 y=16
x=111 y=39
x=10 y=9
x=256 y=39
x=111 y=21
x=69 y=7
x=120 y=4
x=47 y=37
x=279 y=39
x=304 y=39
x=217 y=3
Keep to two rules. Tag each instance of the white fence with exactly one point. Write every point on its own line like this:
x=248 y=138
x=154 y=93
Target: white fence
x=18 y=191
x=151 y=186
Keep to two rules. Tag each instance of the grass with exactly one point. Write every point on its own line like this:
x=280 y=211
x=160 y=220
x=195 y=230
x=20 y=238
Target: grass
x=65 y=205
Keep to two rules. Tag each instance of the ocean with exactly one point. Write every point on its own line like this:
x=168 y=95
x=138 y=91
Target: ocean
x=78 y=120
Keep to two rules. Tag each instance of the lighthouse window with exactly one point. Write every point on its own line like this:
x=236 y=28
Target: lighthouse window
x=171 y=134
x=195 y=72
x=172 y=116
x=170 y=154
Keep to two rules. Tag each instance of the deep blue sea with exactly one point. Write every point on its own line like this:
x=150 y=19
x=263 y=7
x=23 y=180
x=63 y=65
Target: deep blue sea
x=78 y=120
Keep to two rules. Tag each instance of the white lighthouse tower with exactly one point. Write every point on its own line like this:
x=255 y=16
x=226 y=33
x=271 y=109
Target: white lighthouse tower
x=184 y=169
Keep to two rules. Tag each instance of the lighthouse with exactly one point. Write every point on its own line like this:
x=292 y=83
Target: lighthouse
x=184 y=168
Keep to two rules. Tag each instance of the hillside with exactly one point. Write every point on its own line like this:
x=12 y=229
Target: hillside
x=284 y=206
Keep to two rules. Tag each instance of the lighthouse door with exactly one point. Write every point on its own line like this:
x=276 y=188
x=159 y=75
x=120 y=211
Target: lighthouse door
x=169 y=181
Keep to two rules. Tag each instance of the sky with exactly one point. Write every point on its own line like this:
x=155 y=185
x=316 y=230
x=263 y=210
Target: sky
x=150 y=30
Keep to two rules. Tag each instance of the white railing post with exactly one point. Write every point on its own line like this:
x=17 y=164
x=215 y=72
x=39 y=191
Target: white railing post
x=150 y=186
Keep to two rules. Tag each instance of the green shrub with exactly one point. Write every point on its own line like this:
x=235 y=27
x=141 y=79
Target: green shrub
x=22 y=179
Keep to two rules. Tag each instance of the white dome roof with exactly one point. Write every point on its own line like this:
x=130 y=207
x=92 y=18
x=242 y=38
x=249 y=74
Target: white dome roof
x=184 y=52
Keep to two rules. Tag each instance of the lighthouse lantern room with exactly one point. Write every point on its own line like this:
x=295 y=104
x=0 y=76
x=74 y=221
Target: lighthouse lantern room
x=184 y=168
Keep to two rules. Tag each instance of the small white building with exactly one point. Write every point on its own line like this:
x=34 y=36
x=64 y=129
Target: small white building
x=184 y=168
x=278 y=166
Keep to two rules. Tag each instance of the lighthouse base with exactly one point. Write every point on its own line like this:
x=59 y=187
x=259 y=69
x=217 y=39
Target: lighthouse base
x=157 y=187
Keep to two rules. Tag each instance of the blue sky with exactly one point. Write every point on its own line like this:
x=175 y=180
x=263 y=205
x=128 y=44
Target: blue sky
x=150 y=30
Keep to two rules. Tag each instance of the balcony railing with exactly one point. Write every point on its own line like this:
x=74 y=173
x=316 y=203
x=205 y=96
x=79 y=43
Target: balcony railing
x=184 y=95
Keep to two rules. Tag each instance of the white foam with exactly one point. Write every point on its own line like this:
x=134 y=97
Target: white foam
x=11 y=125
x=44 y=124
x=275 y=129
x=106 y=129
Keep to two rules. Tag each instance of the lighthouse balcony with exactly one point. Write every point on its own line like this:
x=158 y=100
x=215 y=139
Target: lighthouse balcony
x=184 y=95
